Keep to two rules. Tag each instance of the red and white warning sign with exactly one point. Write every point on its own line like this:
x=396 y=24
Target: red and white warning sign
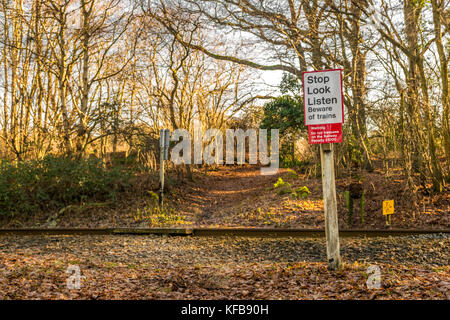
x=324 y=105
x=325 y=133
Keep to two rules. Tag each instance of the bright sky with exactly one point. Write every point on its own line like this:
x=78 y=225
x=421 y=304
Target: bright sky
x=272 y=78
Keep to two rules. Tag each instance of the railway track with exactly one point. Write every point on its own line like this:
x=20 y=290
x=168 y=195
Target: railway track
x=219 y=232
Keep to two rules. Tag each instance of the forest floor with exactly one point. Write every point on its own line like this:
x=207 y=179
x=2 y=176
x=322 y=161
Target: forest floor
x=155 y=267
x=239 y=196
x=161 y=267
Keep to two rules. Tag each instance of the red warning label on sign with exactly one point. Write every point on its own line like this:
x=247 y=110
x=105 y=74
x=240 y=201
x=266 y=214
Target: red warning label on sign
x=325 y=133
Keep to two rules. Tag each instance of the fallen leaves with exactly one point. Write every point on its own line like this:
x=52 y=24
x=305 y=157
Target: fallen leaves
x=127 y=267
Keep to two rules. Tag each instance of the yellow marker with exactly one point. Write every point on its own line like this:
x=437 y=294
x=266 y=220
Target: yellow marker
x=388 y=210
x=388 y=207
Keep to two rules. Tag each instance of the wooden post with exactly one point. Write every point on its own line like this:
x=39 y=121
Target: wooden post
x=330 y=206
x=161 y=167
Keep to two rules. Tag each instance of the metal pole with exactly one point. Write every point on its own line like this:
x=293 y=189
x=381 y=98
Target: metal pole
x=330 y=206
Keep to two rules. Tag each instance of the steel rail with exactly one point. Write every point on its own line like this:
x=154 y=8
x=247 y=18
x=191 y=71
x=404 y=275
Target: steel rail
x=219 y=232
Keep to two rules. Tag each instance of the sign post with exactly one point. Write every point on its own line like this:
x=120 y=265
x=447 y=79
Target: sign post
x=388 y=210
x=164 y=141
x=330 y=206
x=324 y=115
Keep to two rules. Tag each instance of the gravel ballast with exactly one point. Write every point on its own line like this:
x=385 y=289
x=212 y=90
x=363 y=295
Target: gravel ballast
x=182 y=251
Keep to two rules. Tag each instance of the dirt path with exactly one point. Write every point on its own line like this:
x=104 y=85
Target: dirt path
x=224 y=191
x=240 y=196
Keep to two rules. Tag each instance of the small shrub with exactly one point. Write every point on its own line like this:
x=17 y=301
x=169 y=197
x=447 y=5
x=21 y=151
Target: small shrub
x=283 y=187
x=153 y=197
x=302 y=192
x=291 y=174
x=280 y=183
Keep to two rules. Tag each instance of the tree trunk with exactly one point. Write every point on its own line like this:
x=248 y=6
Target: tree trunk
x=438 y=14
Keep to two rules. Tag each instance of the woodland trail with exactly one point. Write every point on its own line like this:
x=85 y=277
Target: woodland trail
x=225 y=190
x=239 y=196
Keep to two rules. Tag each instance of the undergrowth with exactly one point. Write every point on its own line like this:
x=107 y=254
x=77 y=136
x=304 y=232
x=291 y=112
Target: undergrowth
x=53 y=183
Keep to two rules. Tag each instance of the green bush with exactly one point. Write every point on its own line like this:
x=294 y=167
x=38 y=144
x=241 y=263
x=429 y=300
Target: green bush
x=291 y=174
x=280 y=183
x=301 y=192
x=282 y=186
x=56 y=182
